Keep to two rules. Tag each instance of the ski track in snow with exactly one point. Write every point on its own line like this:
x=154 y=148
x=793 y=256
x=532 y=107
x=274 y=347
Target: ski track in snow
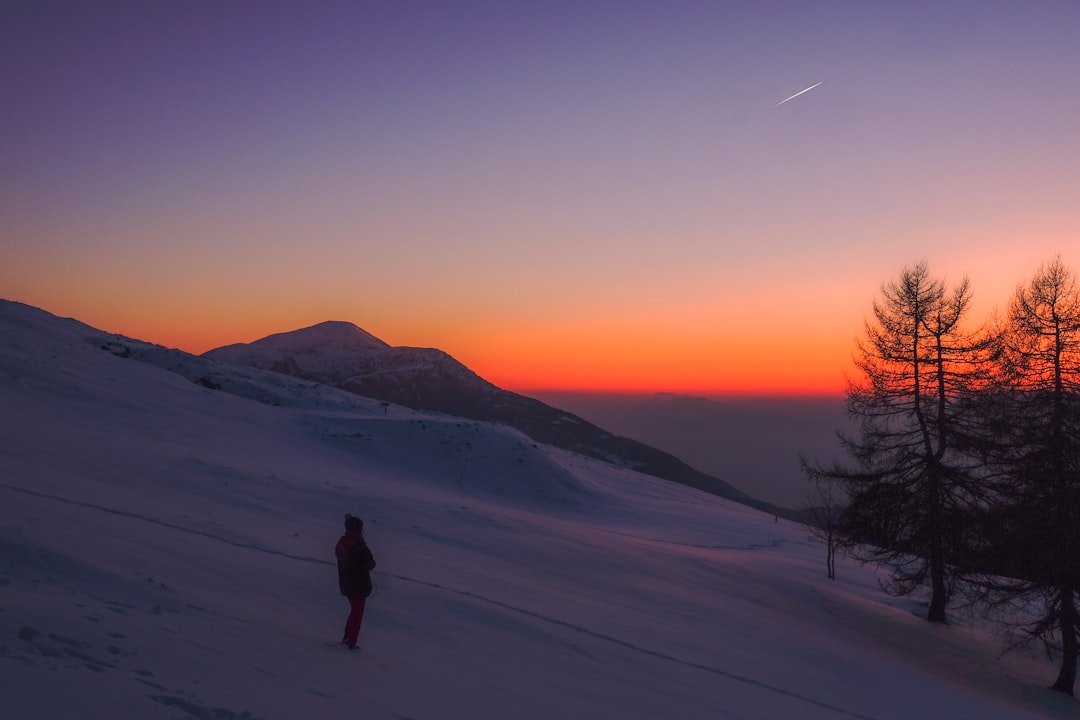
x=636 y=648
x=465 y=593
x=771 y=545
x=172 y=526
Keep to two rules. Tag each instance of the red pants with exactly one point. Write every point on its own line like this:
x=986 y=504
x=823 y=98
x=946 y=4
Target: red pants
x=356 y=616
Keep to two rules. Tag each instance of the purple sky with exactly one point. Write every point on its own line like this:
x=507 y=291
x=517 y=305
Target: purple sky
x=506 y=179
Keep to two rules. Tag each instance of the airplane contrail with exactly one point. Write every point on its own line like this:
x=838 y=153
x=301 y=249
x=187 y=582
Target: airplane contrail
x=797 y=94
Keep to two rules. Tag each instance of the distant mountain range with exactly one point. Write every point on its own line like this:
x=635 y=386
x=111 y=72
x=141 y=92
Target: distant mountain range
x=344 y=356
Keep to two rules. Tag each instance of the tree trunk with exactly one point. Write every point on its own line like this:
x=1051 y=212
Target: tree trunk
x=939 y=591
x=1067 y=677
x=938 y=594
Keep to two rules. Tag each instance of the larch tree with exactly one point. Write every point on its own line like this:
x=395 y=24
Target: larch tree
x=909 y=488
x=824 y=508
x=1035 y=463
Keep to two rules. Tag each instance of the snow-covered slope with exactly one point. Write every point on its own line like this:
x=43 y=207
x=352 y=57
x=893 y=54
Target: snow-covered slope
x=344 y=356
x=166 y=548
x=340 y=353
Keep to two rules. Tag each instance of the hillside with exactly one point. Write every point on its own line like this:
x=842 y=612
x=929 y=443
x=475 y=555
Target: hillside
x=166 y=552
x=344 y=356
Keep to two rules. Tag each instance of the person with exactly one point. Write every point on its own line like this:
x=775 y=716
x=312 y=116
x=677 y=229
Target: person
x=355 y=563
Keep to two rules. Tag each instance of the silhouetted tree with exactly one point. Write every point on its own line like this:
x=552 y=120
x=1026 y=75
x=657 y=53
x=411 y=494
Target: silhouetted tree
x=910 y=489
x=824 y=508
x=1032 y=540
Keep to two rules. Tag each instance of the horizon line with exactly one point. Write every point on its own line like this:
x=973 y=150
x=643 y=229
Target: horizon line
x=706 y=393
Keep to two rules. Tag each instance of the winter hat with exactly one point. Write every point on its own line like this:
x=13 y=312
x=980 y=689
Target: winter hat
x=353 y=523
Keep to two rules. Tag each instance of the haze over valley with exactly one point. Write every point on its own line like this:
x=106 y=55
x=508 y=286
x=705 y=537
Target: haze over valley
x=754 y=443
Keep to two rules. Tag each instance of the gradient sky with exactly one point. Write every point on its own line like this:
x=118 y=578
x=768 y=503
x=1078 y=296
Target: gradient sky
x=585 y=195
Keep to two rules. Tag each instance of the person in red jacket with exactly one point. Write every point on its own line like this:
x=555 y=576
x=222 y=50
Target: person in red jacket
x=355 y=563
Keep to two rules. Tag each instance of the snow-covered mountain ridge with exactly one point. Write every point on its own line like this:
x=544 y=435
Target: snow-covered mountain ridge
x=337 y=353
x=166 y=552
x=344 y=356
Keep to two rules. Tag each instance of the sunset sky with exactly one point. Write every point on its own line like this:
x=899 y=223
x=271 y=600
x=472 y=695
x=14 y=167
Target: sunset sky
x=573 y=195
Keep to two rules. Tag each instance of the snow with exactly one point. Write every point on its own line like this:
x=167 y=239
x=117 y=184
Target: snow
x=336 y=352
x=166 y=552
x=332 y=337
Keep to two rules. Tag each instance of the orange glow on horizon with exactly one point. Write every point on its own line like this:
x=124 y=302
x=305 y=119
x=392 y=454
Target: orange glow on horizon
x=587 y=357
x=599 y=357
x=571 y=377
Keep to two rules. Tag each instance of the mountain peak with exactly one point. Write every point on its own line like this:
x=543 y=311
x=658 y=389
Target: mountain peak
x=330 y=349
x=332 y=335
